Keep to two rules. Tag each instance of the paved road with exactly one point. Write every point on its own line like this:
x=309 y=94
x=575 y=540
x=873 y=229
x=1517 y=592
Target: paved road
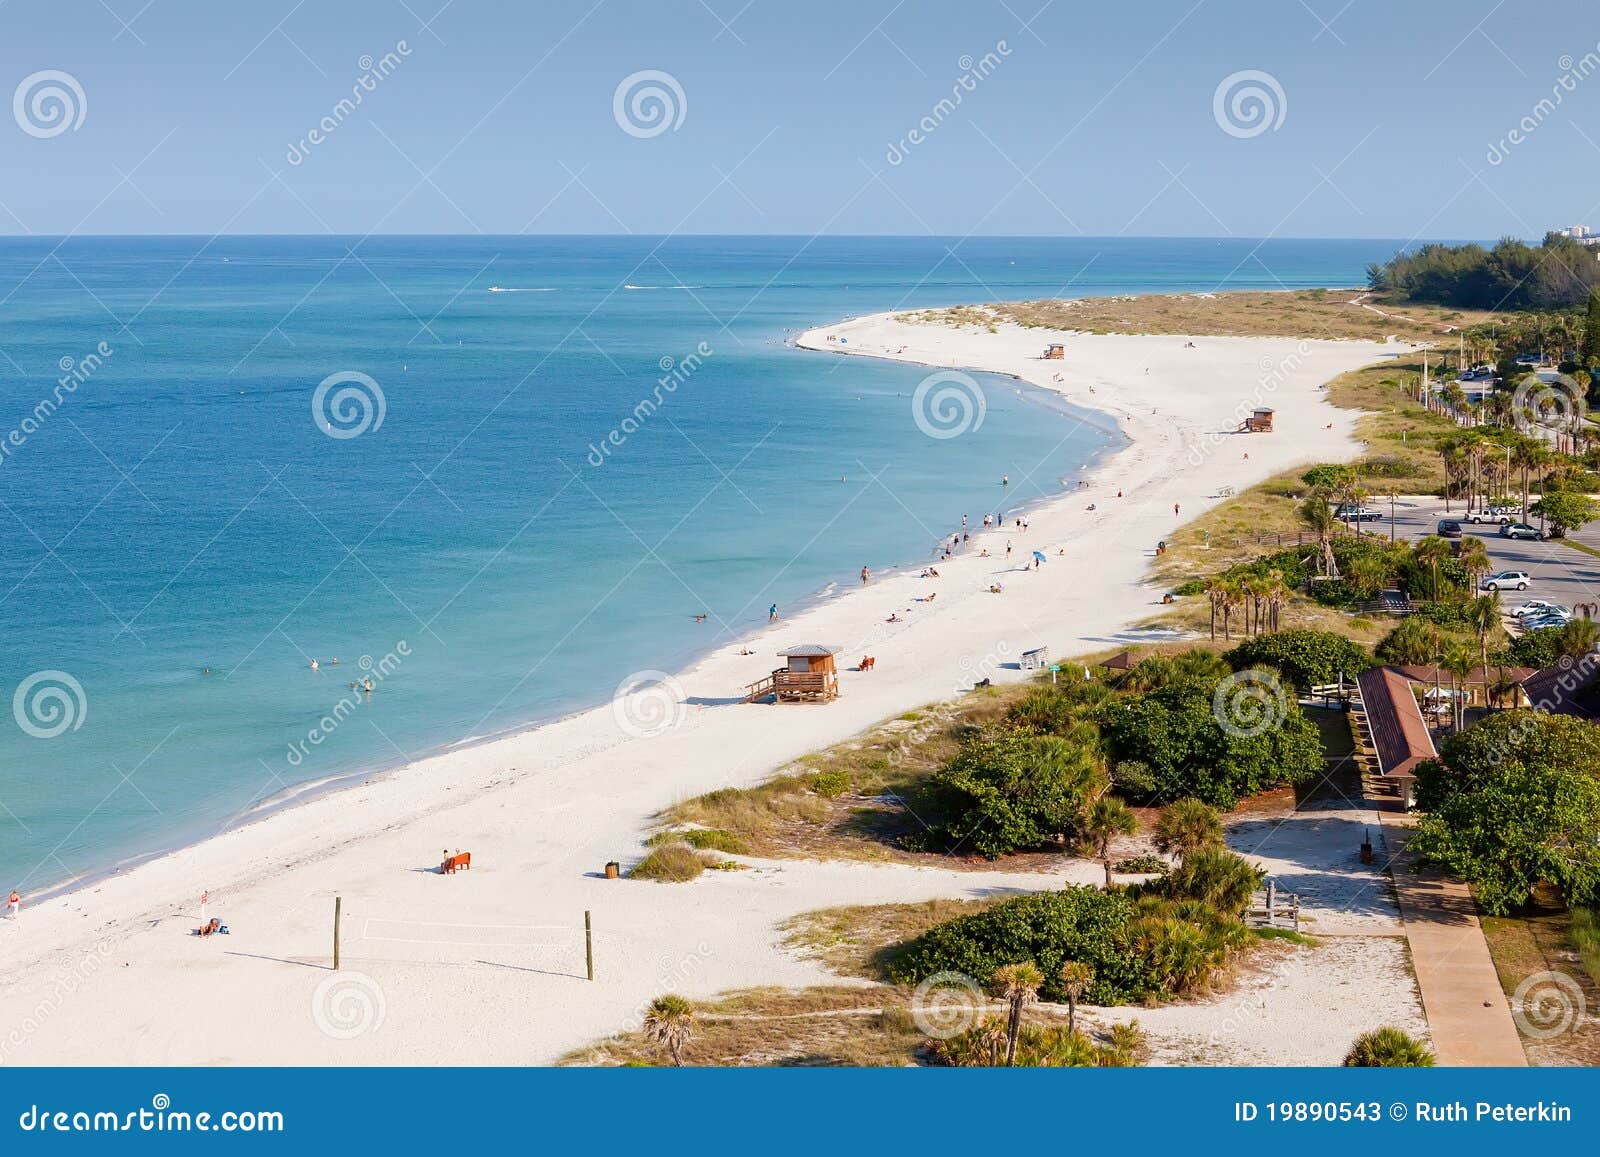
x=1559 y=572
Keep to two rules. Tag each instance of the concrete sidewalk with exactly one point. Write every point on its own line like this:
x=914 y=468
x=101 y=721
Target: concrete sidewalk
x=1469 y=1018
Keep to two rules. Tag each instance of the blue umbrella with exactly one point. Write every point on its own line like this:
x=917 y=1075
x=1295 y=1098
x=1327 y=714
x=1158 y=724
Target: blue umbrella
x=1039 y=554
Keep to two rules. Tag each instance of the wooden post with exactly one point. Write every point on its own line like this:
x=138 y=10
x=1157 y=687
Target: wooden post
x=588 y=942
x=336 y=904
x=1272 y=896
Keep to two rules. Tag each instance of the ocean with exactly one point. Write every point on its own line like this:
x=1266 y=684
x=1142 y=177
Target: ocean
x=496 y=476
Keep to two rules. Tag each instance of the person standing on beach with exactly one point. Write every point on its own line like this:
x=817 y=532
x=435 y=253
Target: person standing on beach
x=1175 y=510
x=15 y=903
x=865 y=575
x=772 y=613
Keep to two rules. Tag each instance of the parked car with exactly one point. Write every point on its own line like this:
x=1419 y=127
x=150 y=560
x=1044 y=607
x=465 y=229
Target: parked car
x=1539 y=622
x=1357 y=514
x=1449 y=528
x=1521 y=530
x=1536 y=607
x=1506 y=580
x=1500 y=514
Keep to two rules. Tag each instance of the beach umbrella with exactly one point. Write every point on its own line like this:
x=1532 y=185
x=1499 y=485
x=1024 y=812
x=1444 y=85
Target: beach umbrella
x=1039 y=556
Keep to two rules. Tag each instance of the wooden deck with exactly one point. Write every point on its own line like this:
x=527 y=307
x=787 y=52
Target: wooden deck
x=785 y=686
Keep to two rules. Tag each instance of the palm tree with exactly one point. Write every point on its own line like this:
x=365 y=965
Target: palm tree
x=1458 y=660
x=1186 y=827
x=1318 y=516
x=1388 y=1048
x=1430 y=551
x=1216 y=593
x=1018 y=985
x=1474 y=559
x=1230 y=598
x=670 y=1022
x=1484 y=615
x=1108 y=819
x=1076 y=977
x=1579 y=637
x=1527 y=454
x=1277 y=595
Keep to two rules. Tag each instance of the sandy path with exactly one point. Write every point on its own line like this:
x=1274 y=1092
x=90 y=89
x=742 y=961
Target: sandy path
x=478 y=968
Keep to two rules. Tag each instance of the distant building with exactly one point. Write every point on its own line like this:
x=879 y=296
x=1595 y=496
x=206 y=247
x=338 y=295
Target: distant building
x=1582 y=234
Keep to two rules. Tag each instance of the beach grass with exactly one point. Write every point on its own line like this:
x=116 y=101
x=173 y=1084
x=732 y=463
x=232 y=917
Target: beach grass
x=868 y=1026
x=860 y=940
x=1303 y=313
x=672 y=862
x=846 y=802
x=1547 y=937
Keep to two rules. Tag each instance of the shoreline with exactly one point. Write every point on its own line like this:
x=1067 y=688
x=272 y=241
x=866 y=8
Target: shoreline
x=580 y=789
x=309 y=791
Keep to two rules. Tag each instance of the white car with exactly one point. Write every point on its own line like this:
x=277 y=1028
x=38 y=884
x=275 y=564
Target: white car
x=1537 y=607
x=1506 y=580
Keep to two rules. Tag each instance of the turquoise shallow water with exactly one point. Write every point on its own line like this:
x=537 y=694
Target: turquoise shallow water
x=180 y=506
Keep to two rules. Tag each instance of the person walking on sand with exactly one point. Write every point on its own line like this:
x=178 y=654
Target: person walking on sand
x=1175 y=510
x=772 y=613
x=865 y=575
x=14 y=905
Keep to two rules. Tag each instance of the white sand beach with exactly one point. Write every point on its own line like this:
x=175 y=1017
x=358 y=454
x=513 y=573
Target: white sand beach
x=486 y=966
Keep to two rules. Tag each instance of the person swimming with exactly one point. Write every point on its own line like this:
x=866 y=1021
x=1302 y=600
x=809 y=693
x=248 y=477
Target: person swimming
x=315 y=666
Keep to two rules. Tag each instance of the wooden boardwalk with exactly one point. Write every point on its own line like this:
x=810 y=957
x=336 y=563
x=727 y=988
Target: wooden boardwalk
x=1468 y=1015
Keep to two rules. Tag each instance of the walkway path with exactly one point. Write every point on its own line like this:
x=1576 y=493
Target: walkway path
x=1469 y=1018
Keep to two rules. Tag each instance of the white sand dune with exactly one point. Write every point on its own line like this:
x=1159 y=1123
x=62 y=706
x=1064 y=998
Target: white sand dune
x=485 y=967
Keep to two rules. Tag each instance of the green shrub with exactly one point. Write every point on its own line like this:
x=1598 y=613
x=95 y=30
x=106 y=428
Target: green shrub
x=1077 y=923
x=1304 y=658
x=1216 y=877
x=831 y=784
x=1140 y=947
x=1335 y=593
x=1414 y=640
x=1039 y=1046
x=1134 y=779
x=1177 y=732
x=673 y=863
x=1388 y=1048
x=1142 y=865
x=1540 y=648
x=713 y=840
x=1010 y=790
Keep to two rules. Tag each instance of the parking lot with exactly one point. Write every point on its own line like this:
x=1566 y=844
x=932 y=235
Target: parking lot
x=1559 y=572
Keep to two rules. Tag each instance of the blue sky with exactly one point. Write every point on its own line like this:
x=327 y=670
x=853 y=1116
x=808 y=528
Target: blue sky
x=1094 y=119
